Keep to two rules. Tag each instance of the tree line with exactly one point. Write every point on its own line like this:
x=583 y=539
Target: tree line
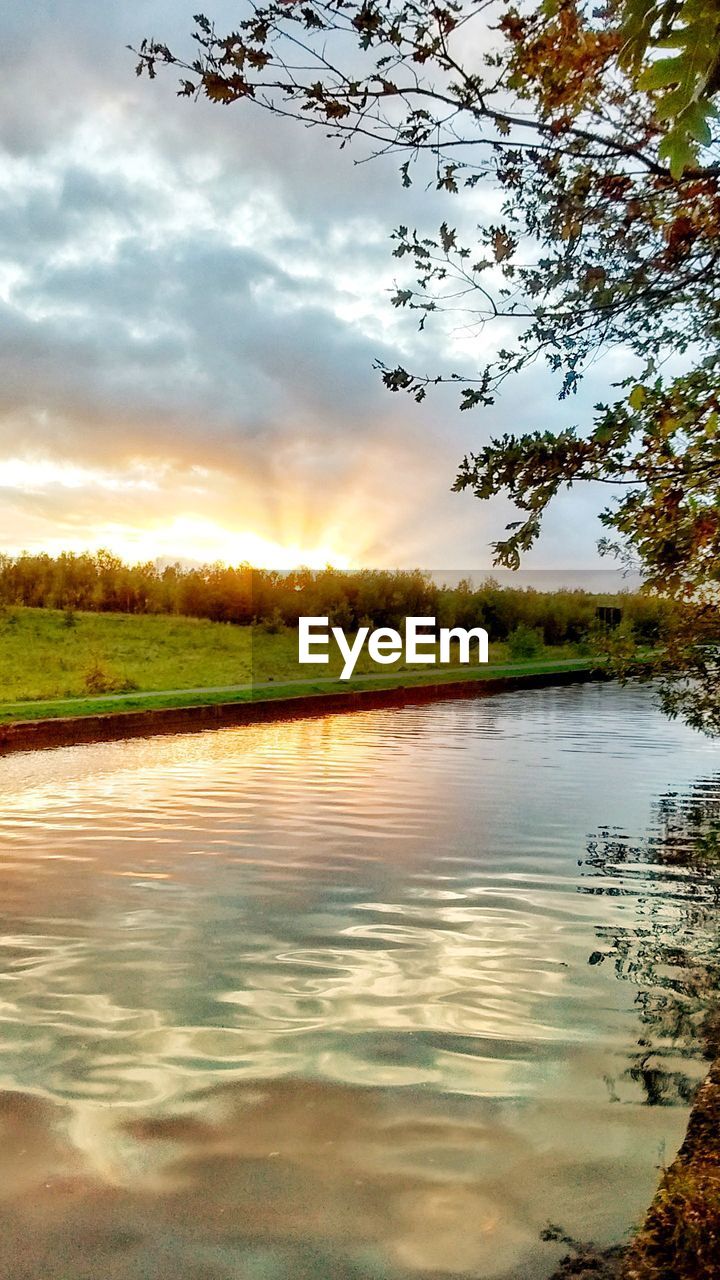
x=101 y=582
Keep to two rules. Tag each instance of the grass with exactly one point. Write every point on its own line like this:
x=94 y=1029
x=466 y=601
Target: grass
x=52 y=664
x=43 y=658
x=681 y=1237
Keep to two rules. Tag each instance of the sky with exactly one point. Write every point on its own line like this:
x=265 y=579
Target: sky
x=191 y=301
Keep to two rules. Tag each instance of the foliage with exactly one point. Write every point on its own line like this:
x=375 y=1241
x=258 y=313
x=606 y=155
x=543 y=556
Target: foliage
x=661 y=445
x=689 y=79
x=349 y=598
x=596 y=242
x=525 y=642
x=682 y=1234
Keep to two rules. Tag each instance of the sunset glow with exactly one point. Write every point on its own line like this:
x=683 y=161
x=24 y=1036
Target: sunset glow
x=190 y=539
x=202 y=541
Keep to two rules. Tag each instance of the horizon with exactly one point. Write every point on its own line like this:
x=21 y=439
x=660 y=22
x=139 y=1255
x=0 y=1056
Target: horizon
x=597 y=580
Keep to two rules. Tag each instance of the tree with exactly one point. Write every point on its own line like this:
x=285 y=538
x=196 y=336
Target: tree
x=604 y=153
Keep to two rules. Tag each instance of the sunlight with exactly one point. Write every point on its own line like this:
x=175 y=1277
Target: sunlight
x=144 y=509
x=205 y=541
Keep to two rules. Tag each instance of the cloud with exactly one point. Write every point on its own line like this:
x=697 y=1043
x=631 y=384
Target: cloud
x=197 y=295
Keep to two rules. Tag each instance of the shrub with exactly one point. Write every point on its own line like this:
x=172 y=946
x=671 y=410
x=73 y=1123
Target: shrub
x=274 y=623
x=100 y=679
x=525 y=642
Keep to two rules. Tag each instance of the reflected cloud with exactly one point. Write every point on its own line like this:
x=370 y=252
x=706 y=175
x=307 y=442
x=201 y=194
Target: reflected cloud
x=247 y=972
x=288 y=1177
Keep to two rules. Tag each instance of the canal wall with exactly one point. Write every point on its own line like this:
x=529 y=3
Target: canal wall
x=65 y=731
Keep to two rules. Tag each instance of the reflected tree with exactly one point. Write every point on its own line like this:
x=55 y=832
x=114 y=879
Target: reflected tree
x=672 y=954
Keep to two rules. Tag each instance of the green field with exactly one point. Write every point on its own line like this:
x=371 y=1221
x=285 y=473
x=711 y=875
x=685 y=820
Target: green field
x=52 y=663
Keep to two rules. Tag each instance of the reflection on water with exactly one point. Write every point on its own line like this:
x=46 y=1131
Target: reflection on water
x=672 y=951
x=314 y=1000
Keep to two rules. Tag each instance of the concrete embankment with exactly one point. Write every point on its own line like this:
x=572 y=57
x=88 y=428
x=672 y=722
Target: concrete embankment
x=35 y=735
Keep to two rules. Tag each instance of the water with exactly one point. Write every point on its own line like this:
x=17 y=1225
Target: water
x=313 y=1001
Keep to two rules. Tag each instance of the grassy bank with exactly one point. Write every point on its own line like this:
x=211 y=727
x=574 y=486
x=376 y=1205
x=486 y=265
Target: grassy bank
x=54 y=664
x=46 y=654
x=13 y=712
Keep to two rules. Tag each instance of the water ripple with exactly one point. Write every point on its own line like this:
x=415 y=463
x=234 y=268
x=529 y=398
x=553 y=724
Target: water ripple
x=381 y=920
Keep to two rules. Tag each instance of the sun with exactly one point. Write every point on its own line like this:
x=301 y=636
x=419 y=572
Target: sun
x=204 y=541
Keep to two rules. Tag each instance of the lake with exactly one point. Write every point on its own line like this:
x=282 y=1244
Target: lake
x=364 y=997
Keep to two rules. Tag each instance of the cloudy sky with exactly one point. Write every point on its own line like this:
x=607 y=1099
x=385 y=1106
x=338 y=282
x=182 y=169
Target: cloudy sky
x=191 y=300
